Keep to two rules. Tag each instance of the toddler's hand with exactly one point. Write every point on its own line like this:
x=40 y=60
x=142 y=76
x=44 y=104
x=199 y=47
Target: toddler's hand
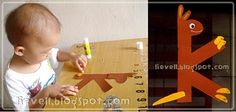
x=80 y=61
x=61 y=91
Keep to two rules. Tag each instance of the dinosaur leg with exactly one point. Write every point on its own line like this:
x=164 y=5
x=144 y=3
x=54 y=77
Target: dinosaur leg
x=83 y=82
x=103 y=84
x=184 y=84
x=183 y=88
x=169 y=98
x=209 y=87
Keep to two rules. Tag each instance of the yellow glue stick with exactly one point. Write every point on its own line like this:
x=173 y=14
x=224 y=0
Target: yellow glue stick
x=87 y=48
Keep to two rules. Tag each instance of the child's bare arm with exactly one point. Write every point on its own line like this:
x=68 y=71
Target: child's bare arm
x=80 y=61
x=53 y=91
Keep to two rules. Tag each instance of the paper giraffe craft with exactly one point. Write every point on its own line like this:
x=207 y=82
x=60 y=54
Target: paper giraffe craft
x=100 y=79
x=188 y=78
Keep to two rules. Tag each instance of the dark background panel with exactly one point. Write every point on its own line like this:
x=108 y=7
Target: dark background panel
x=162 y=49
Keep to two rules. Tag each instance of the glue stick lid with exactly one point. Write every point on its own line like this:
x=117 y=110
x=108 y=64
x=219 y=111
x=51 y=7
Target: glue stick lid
x=86 y=40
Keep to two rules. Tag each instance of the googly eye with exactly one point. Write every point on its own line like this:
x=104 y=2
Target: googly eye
x=192 y=26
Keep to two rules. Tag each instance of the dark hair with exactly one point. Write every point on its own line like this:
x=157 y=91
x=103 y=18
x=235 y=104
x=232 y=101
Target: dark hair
x=29 y=20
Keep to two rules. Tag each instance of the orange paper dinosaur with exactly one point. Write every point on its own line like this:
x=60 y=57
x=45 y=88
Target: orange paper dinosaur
x=188 y=78
x=100 y=79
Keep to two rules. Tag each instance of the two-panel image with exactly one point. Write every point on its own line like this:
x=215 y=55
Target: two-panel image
x=117 y=56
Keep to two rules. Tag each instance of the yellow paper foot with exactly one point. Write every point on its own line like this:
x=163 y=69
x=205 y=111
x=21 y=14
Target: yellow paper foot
x=221 y=98
x=218 y=39
x=169 y=98
x=219 y=42
x=223 y=91
x=222 y=43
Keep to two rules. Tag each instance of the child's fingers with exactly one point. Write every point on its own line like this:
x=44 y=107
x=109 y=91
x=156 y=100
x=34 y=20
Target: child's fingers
x=69 y=87
x=83 y=63
x=64 y=86
x=61 y=96
x=84 y=59
x=79 y=67
x=72 y=88
x=69 y=93
x=75 y=89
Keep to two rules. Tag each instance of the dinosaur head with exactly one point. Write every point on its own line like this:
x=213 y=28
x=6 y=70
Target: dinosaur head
x=192 y=27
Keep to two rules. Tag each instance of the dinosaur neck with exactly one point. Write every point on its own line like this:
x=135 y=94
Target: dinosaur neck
x=184 y=37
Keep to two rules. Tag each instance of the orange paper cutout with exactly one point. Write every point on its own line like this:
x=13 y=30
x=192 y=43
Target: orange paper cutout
x=100 y=79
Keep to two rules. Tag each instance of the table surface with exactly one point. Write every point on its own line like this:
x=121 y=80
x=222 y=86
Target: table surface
x=120 y=56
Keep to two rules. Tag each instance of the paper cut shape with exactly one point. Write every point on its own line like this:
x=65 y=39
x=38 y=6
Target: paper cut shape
x=188 y=78
x=170 y=97
x=100 y=79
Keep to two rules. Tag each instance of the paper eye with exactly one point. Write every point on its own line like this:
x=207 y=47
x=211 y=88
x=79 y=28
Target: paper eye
x=192 y=26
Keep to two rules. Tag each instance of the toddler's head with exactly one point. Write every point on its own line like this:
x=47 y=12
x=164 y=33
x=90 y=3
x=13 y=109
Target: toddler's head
x=33 y=31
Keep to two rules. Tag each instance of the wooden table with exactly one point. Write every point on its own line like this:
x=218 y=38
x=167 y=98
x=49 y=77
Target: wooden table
x=108 y=57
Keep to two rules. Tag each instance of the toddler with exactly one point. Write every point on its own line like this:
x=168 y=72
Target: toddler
x=34 y=31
